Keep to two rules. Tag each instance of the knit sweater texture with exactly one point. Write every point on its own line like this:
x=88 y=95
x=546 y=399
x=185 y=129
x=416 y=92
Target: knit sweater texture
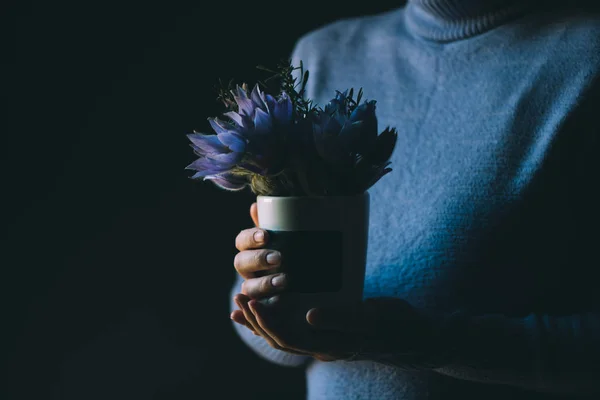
x=492 y=206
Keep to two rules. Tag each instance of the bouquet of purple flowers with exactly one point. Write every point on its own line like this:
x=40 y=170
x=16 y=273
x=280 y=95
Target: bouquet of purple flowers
x=279 y=143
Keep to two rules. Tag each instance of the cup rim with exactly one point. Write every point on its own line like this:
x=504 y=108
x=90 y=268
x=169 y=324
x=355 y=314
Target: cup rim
x=351 y=196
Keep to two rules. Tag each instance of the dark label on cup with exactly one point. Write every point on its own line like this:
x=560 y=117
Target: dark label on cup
x=312 y=260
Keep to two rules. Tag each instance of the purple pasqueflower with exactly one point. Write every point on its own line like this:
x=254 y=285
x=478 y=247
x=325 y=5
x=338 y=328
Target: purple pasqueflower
x=340 y=133
x=347 y=138
x=250 y=139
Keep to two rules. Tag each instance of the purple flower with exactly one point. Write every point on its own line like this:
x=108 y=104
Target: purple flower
x=346 y=138
x=250 y=140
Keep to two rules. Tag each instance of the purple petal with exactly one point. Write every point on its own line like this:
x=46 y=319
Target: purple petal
x=246 y=107
x=368 y=136
x=283 y=109
x=258 y=99
x=328 y=146
x=233 y=140
x=229 y=137
x=202 y=164
x=225 y=159
x=317 y=130
x=206 y=144
x=205 y=167
x=380 y=174
x=350 y=134
x=215 y=163
x=337 y=105
x=364 y=111
x=322 y=120
x=235 y=117
x=202 y=174
x=271 y=103
x=341 y=120
x=262 y=122
x=197 y=150
x=220 y=126
x=332 y=126
x=227 y=181
x=384 y=146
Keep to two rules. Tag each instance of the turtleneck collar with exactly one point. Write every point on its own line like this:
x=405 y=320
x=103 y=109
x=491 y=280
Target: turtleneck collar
x=449 y=20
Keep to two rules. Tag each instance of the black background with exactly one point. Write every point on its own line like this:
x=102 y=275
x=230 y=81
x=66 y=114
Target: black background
x=116 y=268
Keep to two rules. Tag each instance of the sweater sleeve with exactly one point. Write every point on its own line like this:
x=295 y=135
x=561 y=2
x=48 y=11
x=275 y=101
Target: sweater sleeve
x=259 y=345
x=550 y=353
x=557 y=354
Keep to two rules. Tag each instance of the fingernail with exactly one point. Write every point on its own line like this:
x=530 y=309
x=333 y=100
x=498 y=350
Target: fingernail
x=273 y=258
x=312 y=316
x=278 y=281
x=259 y=236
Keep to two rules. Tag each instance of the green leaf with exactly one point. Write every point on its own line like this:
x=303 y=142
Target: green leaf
x=359 y=96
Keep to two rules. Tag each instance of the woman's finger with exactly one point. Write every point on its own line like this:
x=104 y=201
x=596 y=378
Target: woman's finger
x=238 y=317
x=249 y=262
x=282 y=339
x=252 y=238
x=328 y=345
x=254 y=213
x=344 y=319
x=242 y=302
x=265 y=286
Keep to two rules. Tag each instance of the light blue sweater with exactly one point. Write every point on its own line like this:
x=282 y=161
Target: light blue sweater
x=492 y=207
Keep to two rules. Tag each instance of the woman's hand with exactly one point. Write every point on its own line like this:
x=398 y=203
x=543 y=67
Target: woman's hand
x=386 y=330
x=251 y=262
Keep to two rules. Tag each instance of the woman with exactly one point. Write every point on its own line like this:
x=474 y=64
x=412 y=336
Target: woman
x=479 y=278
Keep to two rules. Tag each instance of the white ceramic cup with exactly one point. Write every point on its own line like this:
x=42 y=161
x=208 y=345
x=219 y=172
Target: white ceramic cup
x=333 y=229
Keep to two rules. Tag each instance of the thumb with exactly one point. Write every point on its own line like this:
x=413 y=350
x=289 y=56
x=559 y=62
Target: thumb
x=254 y=213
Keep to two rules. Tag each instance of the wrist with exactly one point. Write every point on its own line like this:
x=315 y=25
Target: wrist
x=448 y=337
x=437 y=343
